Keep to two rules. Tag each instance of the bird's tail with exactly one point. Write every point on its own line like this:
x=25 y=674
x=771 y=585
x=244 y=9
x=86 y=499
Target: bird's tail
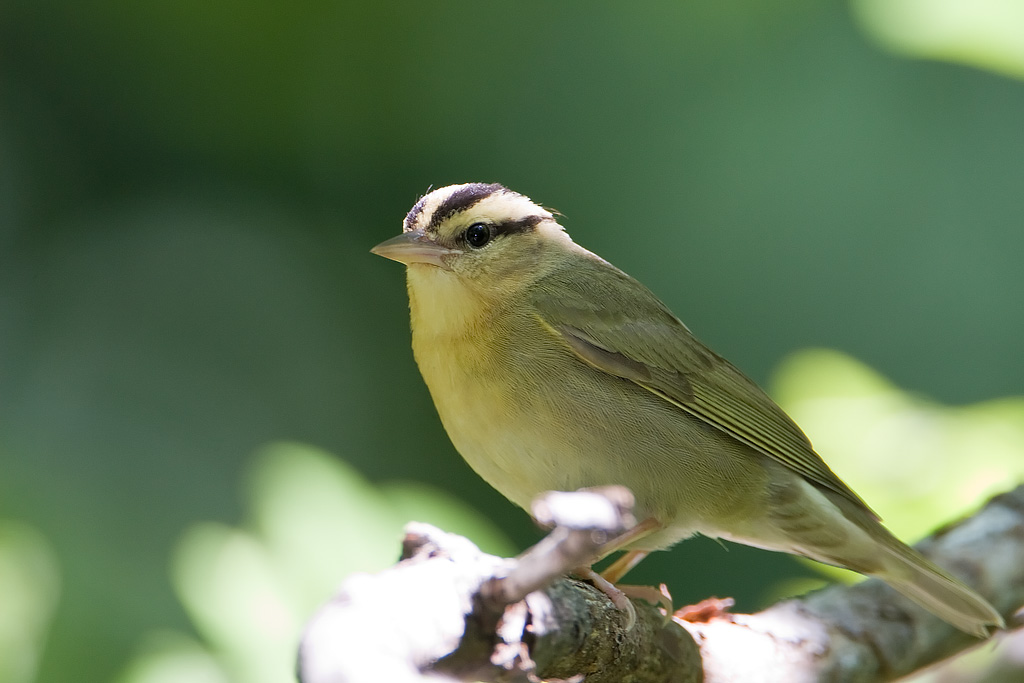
x=919 y=579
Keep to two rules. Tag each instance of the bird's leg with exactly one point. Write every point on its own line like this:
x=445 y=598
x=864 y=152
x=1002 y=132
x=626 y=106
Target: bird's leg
x=642 y=529
x=614 y=572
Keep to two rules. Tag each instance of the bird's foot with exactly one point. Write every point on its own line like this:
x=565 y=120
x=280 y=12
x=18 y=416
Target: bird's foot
x=620 y=595
x=617 y=596
x=657 y=596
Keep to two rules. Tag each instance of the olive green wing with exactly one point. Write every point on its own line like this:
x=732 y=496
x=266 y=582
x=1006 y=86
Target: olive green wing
x=617 y=325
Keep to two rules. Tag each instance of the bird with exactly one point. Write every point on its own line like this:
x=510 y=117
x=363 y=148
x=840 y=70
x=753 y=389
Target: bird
x=551 y=369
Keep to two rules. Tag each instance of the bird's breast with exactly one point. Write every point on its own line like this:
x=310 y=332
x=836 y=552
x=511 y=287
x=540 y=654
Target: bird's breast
x=489 y=368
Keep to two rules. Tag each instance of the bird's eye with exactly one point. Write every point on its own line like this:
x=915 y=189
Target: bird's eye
x=477 y=235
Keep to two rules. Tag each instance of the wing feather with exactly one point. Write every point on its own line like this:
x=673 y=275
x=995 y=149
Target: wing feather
x=615 y=324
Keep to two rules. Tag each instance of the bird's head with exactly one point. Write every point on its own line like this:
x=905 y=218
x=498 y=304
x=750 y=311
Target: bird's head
x=485 y=235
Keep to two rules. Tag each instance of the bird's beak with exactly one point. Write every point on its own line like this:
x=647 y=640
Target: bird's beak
x=415 y=247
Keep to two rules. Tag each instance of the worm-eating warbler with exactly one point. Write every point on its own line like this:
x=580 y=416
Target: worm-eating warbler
x=553 y=370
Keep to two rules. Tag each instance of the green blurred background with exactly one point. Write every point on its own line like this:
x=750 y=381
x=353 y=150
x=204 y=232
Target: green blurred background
x=188 y=193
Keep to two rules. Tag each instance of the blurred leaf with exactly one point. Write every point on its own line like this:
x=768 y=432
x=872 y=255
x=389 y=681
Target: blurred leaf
x=166 y=657
x=230 y=586
x=319 y=519
x=312 y=521
x=988 y=34
x=424 y=503
x=30 y=587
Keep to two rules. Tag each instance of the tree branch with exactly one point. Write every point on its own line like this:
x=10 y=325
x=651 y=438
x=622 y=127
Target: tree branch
x=447 y=612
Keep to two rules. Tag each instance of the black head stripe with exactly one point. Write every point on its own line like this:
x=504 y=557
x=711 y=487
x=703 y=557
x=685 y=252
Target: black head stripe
x=414 y=213
x=460 y=200
x=524 y=224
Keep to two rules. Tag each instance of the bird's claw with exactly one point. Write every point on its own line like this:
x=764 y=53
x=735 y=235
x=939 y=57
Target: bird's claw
x=616 y=595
